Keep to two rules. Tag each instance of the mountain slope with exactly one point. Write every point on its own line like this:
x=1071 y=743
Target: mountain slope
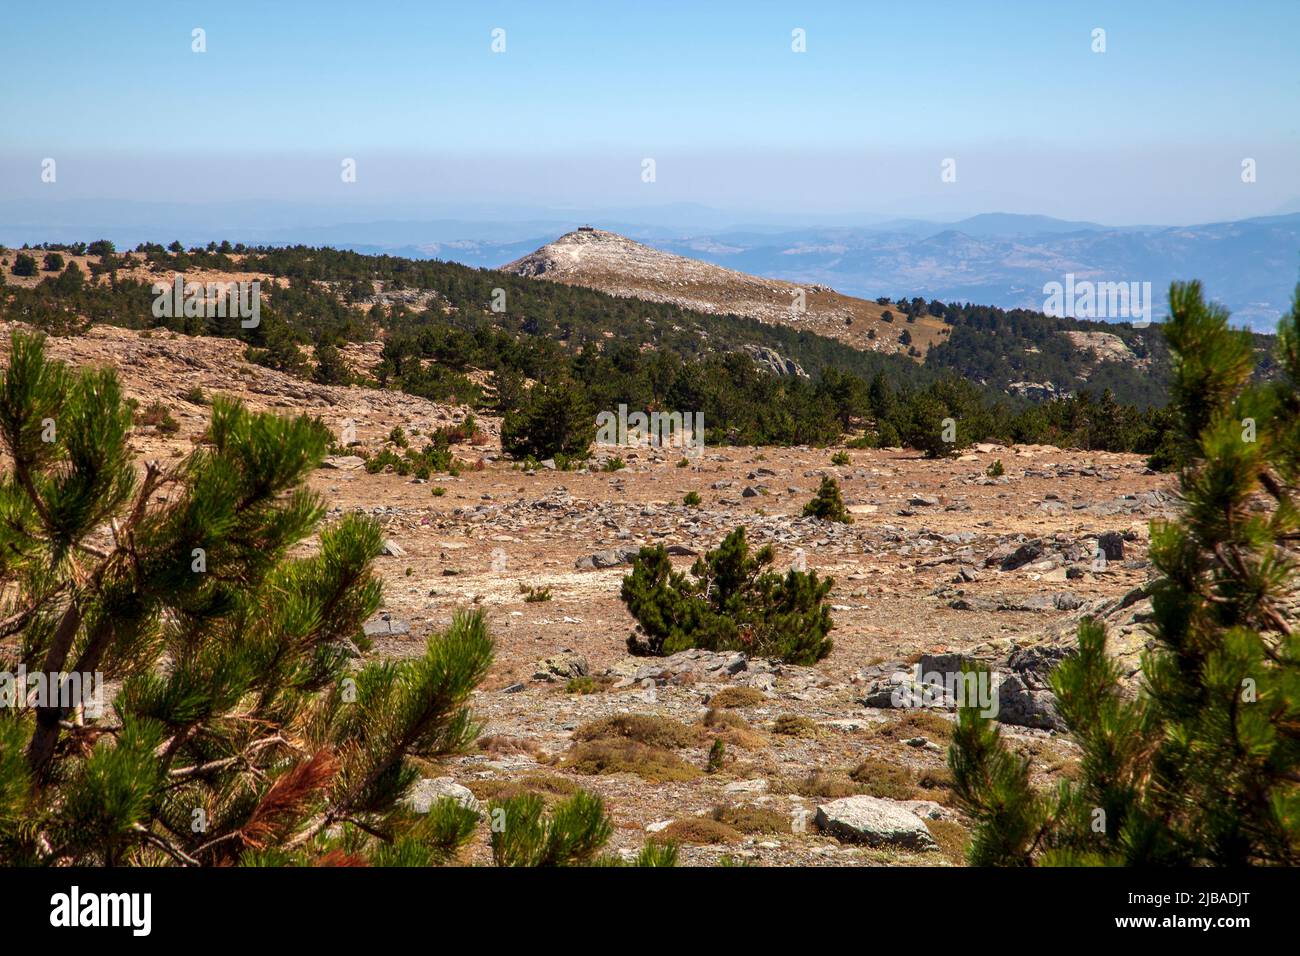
x=614 y=264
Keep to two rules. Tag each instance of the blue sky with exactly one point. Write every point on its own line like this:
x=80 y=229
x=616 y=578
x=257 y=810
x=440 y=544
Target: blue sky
x=1154 y=129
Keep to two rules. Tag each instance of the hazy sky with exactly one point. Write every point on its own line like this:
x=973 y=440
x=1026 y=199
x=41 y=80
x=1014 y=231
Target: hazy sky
x=1153 y=130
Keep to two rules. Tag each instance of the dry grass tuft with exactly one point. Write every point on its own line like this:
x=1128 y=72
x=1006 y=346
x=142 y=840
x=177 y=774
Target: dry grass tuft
x=794 y=725
x=750 y=818
x=547 y=786
x=952 y=839
x=917 y=723
x=819 y=785
x=737 y=697
x=506 y=745
x=697 y=830
x=643 y=728
x=880 y=779
x=628 y=756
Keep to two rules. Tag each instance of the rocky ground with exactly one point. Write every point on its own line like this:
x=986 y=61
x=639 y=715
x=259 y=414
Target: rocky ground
x=819 y=766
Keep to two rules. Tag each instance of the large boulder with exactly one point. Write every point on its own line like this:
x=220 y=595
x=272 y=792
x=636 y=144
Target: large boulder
x=875 y=822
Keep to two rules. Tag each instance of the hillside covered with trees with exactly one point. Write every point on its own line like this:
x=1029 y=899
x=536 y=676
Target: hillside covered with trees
x=440 y=324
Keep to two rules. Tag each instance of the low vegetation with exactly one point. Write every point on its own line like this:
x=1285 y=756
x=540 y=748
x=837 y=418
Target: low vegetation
x=729 y=602
x=828 y=503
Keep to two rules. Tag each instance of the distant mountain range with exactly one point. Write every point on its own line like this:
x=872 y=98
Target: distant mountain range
x=1251 y=265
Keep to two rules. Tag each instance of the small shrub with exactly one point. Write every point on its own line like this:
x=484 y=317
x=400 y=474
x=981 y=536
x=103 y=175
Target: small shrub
x=841 y=459
x=584 y=685
x=737 y=697
x=550 y=787
x=613 y=464
x=158 y=416
x=643 y=728
x=918 y=722
x=701 y=830
x=995 y=470
x=195 y=396
x=691 y=499
x=733 y=729
x=503 y=744
x=628 y=756
x=732 y=603
x=439 y=491
x=881 y=779
x=795 y=725
x=828 y=505
x=748 y=818
x=717 y=755
x=534 y=595
x=821 y=785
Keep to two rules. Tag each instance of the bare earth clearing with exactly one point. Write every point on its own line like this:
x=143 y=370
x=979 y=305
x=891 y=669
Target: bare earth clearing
x=940 y=559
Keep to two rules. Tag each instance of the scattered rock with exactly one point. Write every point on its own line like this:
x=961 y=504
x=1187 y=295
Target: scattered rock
x=875 y=822
x=384 y=626
x=343 y=462
x=607 y=559
x=561 y=666
x=429 y=790
x=1111 y=544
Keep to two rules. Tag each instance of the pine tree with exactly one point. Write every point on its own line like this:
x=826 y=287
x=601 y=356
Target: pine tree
x=24 y=265
x=245 y=730
x=1203 y=766
x=828 y=503
x=555 y=419
x=730 y=602
x=572 y=834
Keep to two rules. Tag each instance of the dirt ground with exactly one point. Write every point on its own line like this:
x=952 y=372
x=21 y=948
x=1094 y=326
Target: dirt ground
x=923 y=569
